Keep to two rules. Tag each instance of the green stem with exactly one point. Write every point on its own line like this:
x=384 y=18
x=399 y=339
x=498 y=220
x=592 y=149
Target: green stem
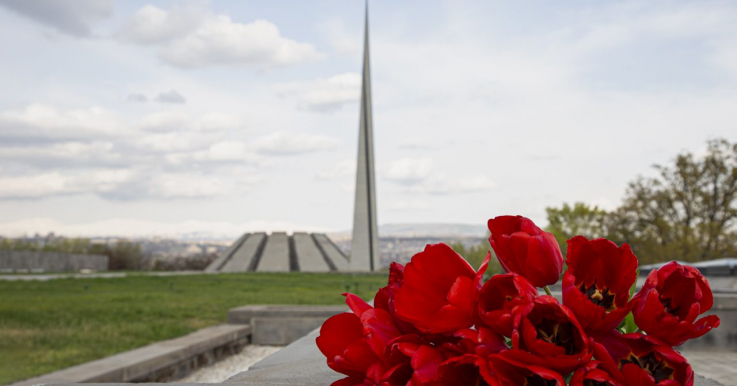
x=547 y=291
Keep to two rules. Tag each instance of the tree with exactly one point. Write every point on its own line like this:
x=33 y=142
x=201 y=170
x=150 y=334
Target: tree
x=687 y=212
x=579 y=219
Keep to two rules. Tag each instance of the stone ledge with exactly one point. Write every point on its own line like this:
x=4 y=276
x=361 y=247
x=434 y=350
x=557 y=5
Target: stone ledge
x=161 y=361
x=302 y=364
x=282 y=325
x=243 y=315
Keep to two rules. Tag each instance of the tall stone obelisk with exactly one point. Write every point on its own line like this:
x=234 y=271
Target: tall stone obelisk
x=365 y=245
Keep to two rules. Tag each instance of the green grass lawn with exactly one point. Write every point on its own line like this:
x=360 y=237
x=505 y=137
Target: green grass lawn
x=47 y=326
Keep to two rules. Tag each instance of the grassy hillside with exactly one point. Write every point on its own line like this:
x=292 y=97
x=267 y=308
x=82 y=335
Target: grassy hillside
x=47 y=326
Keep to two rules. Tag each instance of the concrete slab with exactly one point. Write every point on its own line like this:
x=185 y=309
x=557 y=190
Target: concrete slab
x=276 y=254
x=301 y=363
x=281 y=325
x=226 y=255
x=335 y=255
x=309 y=255
x=162 y=361
x=245 y=256
x=243 y=315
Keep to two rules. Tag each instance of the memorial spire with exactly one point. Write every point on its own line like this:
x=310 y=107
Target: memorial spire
x=365 y=244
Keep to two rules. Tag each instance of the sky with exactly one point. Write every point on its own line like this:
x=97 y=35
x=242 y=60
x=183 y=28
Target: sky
x=169 y=117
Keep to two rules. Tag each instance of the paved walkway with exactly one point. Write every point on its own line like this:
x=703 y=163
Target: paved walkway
x=719 y=366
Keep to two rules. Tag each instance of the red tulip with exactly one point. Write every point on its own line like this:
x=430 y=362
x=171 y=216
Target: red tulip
x=481 y=343
x=341 y=340
x=671 y=300
x=525 y=249
x=363 y=344
x=425 y=363
x=547 y=333
x=509 y=371
x=465 y=370
x=499 y=296
x=384 y=298
x=438 y=290
x=641 y=360
x=594 y=374
x=596 y=286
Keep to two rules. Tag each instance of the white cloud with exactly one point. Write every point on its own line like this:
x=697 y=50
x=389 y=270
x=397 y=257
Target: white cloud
x=56 y=184
x=412 y=205
x=224 y=151
x=152 y=25
x=443 y=184
x=205 y=40
x=73 y=18
x=164 y=121
x=343 y=42
x=172 y=96
x=324 y=95
x=409 y=170
x=220 y=41
x=75 y=153
x=338 y=171
x=129 y=227
x=285 y=143
x=169 y=121
x=137 y=97
x=170 y=186
x=43 y=122
x=119 y=184
x=416 y=144
x=219 y=121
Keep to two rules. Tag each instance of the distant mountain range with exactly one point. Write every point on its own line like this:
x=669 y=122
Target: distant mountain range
x=449 y=230
x=217 y=231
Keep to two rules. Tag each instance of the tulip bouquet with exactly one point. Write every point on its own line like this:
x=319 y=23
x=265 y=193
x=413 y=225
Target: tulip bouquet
x=438 y=323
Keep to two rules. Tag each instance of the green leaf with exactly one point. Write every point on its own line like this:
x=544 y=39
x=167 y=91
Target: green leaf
x=629 y=324
x=634 y=285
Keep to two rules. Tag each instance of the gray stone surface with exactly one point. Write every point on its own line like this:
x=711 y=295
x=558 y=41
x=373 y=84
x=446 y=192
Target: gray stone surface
x=226 y=255
x=725 y=336
x=281 y=325
x=276 y=254
x=32 y=261
x=301 y=363
x=243 y=257
x=243 y=315
x=716 y=365
x=162 y=361
x=333 y=253
x=365 y=244
x=309 y=255
x=279 y=253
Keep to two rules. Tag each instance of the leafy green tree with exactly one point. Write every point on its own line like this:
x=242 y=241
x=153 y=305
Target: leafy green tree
x=687 y=212
x=578 y=219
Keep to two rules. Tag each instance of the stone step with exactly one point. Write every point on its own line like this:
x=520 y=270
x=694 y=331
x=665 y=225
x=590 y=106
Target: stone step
x=158 y=362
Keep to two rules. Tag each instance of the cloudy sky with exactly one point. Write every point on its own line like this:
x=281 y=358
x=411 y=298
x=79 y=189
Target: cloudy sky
x=130 y=117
